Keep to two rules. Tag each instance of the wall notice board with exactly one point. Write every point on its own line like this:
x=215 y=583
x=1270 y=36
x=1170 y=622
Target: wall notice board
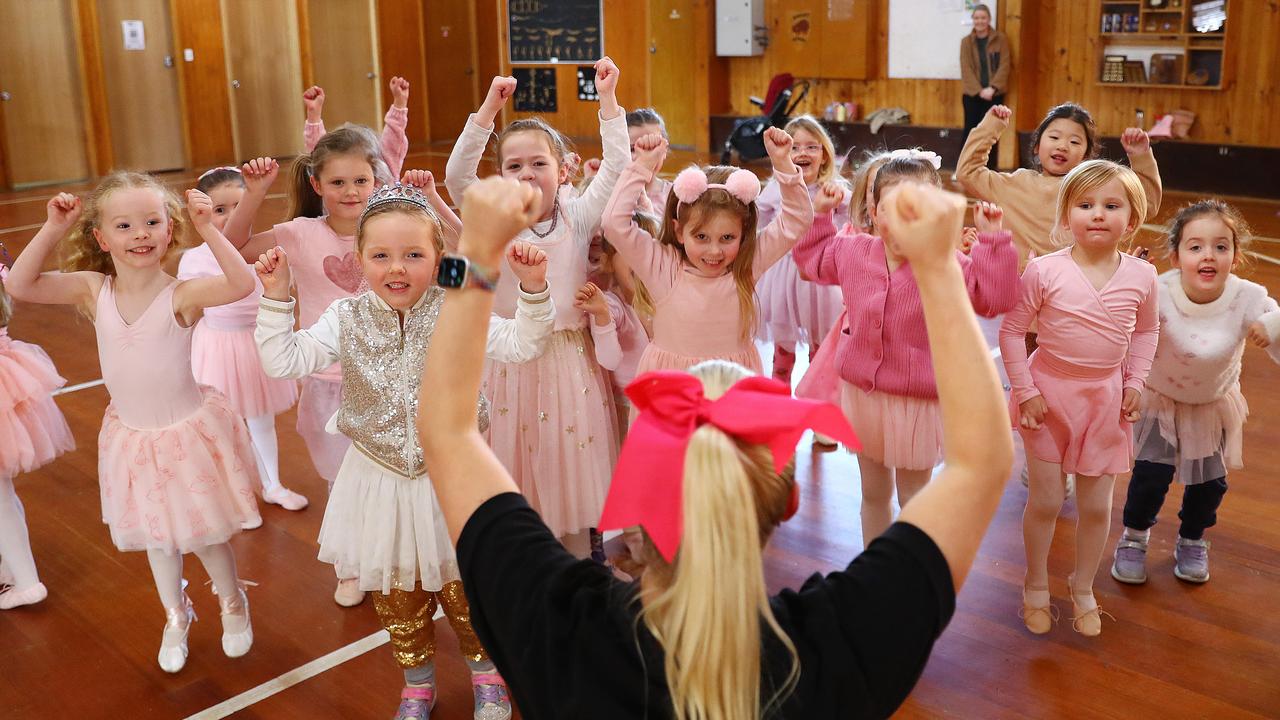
x=550 y=31
x=925 y=35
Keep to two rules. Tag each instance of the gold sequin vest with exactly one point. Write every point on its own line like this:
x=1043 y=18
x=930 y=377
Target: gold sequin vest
x=381 y=371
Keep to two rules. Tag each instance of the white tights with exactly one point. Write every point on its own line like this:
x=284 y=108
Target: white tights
x=218 y=560
x=15 y=546
x=262 y=431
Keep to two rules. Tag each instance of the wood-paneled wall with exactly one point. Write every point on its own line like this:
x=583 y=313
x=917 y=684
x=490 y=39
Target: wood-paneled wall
x=1055 y=61
x=400 y=52
x=197 y=24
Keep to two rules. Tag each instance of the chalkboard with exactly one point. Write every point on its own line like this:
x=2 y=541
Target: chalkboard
x=548 y=31
x=535 y=90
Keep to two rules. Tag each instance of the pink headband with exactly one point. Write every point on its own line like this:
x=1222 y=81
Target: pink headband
x=211 y=171
x=691 y=183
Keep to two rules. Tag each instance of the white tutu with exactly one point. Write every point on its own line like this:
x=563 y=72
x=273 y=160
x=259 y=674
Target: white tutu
x=386 y=529
x=793 y=309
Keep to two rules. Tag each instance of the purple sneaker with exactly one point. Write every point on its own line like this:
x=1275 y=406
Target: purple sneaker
x=416 y=702
x=492 y=700
x=1191 y=560
x=1130 y=565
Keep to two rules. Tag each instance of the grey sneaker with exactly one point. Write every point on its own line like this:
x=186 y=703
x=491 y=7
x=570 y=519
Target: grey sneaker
x=1191 y=560
x=1130 y=565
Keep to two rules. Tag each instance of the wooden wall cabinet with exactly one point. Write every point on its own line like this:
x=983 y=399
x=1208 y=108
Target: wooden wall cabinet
x=1184 y=41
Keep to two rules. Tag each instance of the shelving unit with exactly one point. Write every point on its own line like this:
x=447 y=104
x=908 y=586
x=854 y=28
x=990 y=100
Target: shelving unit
x=1179 y=43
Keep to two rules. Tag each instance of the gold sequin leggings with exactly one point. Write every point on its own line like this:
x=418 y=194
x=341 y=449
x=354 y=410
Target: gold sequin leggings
x=407 y=615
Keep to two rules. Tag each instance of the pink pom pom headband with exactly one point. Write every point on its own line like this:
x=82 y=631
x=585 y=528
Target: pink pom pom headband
x=691 y=183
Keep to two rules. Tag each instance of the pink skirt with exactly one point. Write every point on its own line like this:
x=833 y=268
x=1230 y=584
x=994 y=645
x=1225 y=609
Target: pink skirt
x=553 y=426
x=822 y=380
x=32 y=429
x=1196 y=432
x=1083 y=430
x=793 y=309
x=177 y=488
x=318 y=403
x=655 y=358
x=897 y=431
x=227 y=360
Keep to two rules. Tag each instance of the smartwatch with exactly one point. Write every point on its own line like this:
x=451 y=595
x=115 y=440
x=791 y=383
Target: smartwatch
x=457 y=271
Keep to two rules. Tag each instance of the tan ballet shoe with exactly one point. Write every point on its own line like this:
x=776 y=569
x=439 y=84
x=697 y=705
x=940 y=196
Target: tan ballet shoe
x=1089 y=622
x=1038 y=620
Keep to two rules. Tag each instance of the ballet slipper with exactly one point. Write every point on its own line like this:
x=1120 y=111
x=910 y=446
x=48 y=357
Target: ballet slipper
x=237 y=630
x=12 y=597
x=173 y=644
x=1038 y=620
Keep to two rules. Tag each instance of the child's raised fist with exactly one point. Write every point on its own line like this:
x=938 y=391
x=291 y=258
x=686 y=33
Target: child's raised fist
x=502 y=88
x=494 y=210
x=650 y=151
x=63 y=210
x=313 y=101
x=988 y=217
x=1135 y=141
x=399 y=92
x=590 y=299
x=1001 y=112
x=829 y=196
x=199 y=207
x=529 y=265
x=259 y=173
x=968 y=237
x=421 y=179
x=606 y=76
x=273 y=269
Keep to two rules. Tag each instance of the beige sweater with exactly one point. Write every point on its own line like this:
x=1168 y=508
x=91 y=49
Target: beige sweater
x=1029 y=198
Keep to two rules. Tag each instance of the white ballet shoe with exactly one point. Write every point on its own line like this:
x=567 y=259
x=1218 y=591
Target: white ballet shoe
x=173 y=644
x=348 y=593
x=252 y=523
x=284 y=497
x=12 y=597
x=237 y=630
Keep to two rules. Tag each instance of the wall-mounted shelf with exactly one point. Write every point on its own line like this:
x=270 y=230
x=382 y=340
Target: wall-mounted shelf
x=1179 y=43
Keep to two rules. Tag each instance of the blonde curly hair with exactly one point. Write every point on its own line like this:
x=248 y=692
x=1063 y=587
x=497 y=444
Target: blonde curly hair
x=81 y=250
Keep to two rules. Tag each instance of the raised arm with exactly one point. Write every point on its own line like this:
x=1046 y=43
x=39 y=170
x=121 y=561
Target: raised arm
x=258 y=174
x=464 y=160
x=991 y=269
x=426 y=182
x=26 y=281
x=284 y=353
x=1137 y=145
x=313 y=129
x=395 y=141
x=956 y=507
x=775 y=240
x=587 y=210
x=971 y=169
x=604 y=326
x=524 y=337
x=191 y=297
x=461 y=465
x=654 y=264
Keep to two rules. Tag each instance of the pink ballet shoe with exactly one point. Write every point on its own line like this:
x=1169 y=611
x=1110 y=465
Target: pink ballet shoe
x=348 y=593
x=1038 y=620
x=237 y=631
x=1089 y=622
x=252 y=523
x=12 y=597
x=285 y=498
x=173 y=644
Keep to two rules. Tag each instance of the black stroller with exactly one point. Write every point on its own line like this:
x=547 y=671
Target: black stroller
x=747 y=137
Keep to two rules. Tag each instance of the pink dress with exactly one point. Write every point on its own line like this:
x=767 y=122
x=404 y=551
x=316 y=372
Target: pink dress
x=324 y=269
x=32 y=429
x=175 y=466
x=223 y=353
x=1093 y=345
x=697 y=318
x=794 y=309
x=553 y=423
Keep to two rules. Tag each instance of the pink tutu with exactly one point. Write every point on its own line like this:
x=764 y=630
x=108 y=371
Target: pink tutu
x=897 y=431
x=177 y=488
x=655 y=358
x=32 y=429
x=793 y=309
x=1196 y=432
x=317 y=405
x=226 y=359
x=1083 y=430
x=822 y=380
x=552 y=425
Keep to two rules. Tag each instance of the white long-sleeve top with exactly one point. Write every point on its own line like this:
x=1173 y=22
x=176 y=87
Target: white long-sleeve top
x=1201 y=344
x=579 y=218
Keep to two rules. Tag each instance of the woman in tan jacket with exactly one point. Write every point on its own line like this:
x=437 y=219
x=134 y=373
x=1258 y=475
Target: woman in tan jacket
x=985 y=60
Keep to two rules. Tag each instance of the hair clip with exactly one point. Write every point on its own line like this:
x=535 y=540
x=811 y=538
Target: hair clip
x=916 y=154
x=691 y=183
x=211 y=171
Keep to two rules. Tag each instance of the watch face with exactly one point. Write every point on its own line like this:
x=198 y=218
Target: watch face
x=453 y=272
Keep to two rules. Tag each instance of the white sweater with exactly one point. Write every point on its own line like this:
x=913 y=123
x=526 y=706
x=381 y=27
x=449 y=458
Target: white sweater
x=1198 y=357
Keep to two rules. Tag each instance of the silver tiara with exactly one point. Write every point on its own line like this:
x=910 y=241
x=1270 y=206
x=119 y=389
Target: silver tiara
x=395 y=193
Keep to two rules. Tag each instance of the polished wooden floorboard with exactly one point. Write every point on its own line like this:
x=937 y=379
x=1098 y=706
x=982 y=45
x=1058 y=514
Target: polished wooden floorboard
x=1175 y=650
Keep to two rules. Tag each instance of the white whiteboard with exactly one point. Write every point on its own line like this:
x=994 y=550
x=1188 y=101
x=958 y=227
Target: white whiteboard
x=925 y=35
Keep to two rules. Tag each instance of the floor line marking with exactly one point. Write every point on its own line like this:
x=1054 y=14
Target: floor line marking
x=79 y=386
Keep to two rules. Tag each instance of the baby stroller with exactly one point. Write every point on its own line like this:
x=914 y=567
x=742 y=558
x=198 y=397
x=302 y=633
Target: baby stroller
x=748 y=133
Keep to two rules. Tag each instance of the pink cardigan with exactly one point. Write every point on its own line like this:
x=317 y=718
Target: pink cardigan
x=886 y=348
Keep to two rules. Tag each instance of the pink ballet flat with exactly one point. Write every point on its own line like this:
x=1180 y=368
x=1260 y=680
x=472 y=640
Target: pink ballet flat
x=173 y=644
x=285 y=498
x=348 y=593
x=237 y=631
x=252 y=523
x=1038 y=620
x=11 y=597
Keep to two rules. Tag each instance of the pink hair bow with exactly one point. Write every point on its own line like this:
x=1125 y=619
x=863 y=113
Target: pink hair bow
x=648 y=485
x=692 y=182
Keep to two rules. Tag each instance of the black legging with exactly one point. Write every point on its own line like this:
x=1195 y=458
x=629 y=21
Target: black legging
x=975 y=108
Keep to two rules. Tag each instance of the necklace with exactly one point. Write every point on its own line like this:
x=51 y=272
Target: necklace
x=555 y=215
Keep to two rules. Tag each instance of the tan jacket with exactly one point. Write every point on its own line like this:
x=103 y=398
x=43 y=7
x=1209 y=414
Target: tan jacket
x=999 y=60
x=1029 y=198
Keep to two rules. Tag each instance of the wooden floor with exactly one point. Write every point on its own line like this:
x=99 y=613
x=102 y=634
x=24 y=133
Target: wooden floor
x=1175 y=651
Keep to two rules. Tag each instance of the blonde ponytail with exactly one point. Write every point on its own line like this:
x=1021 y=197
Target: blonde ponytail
x=705 y=609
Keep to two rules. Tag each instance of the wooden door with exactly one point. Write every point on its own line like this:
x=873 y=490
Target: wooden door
x=672 y=57
x=265 y=73
x=42 y=133
x=139 y=67
x=344 y=60
x=452 y=85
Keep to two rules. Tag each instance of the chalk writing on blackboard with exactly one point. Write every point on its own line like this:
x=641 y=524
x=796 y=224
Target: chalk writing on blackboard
x=535 y=90
x=548 y=31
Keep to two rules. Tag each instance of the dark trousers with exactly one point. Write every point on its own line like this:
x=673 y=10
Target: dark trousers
x=1147 y=488
x=975 y=108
